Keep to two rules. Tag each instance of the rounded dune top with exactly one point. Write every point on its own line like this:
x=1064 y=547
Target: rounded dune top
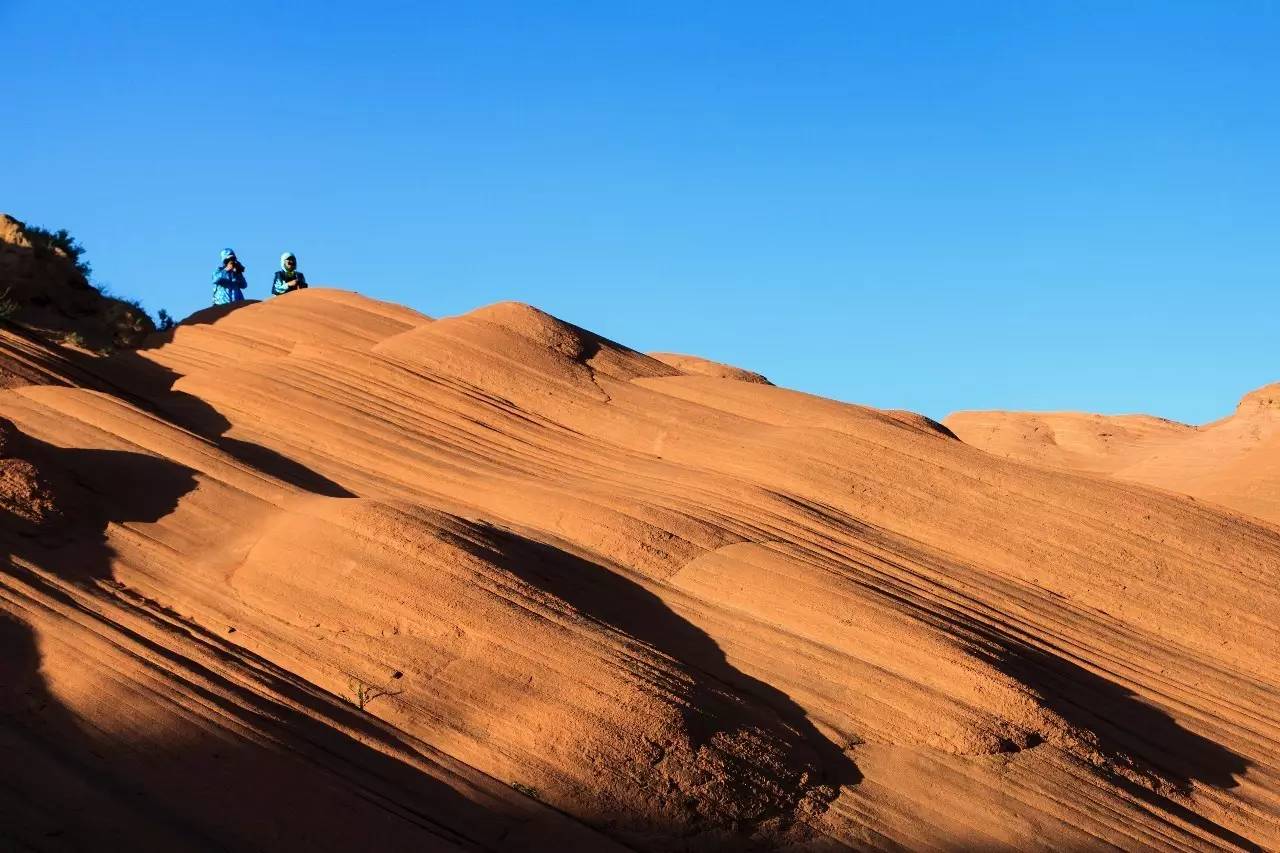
x=538 y=326
x=706 y=367
x=244 y=331
x=315 y=309
x=534 y=339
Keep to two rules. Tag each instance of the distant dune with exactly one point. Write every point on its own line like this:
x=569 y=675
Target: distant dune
x=323 y=573
x=1234 y=461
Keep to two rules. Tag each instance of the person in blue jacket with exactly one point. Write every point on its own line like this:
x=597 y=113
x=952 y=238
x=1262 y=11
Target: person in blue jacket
x=228 y=280
x=288 y=277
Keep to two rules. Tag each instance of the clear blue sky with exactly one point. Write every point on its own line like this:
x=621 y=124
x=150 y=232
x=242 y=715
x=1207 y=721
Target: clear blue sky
x=934 y=206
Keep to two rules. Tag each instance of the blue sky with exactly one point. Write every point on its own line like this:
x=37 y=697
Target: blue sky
x=932 y=206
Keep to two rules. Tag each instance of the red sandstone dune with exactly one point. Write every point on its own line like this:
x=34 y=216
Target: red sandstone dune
x=325 y=574
x=1234 y=461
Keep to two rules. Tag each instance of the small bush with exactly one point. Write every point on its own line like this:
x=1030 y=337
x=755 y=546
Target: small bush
x=165 y=320
x=124 y=321
x=45 y=241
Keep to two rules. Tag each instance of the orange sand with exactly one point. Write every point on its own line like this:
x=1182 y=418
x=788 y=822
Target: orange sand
x=1234 y=461
x=591 y=598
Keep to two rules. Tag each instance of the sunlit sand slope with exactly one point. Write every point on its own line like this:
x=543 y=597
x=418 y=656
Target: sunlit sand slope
x=324 y=570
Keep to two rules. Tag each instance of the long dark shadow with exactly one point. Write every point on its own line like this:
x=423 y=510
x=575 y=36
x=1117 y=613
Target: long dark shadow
x=247 y=772
x=1132 y=734
x=1129 y=732
x=723 y=699
x=149 y=385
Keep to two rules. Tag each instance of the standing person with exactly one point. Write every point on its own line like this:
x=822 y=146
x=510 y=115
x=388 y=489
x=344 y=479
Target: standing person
x=288 y=277
x=228 y=280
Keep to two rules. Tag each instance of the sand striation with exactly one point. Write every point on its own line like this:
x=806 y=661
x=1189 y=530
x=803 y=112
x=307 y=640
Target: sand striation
x=326 y=574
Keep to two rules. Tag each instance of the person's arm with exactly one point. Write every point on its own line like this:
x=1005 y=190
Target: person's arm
x=301 y=281
x=278 y=285
x=224 y=278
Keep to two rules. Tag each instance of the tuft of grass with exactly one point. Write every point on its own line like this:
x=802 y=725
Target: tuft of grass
x=362 y=693
x=164 y=320
x=527 y=790
x=74 y=339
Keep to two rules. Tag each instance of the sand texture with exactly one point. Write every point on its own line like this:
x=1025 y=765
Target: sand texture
x=326 y=574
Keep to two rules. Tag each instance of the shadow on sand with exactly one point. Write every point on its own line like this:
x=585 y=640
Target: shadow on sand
x=1132 y=735
x=179 y=756
x=149 y=385
x=806 y=769
x=292 y=794
x=1136 y=738
x=276 y=777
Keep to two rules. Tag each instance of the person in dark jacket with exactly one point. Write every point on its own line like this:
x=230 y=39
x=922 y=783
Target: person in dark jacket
x=288 y=277
x=228 y=280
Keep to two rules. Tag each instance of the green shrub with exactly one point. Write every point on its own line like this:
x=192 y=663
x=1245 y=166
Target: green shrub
x=126 y=322
x=46 y=242
x=165 y=320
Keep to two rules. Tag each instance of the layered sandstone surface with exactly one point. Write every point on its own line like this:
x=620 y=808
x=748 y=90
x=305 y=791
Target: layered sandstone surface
x=326 y=574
